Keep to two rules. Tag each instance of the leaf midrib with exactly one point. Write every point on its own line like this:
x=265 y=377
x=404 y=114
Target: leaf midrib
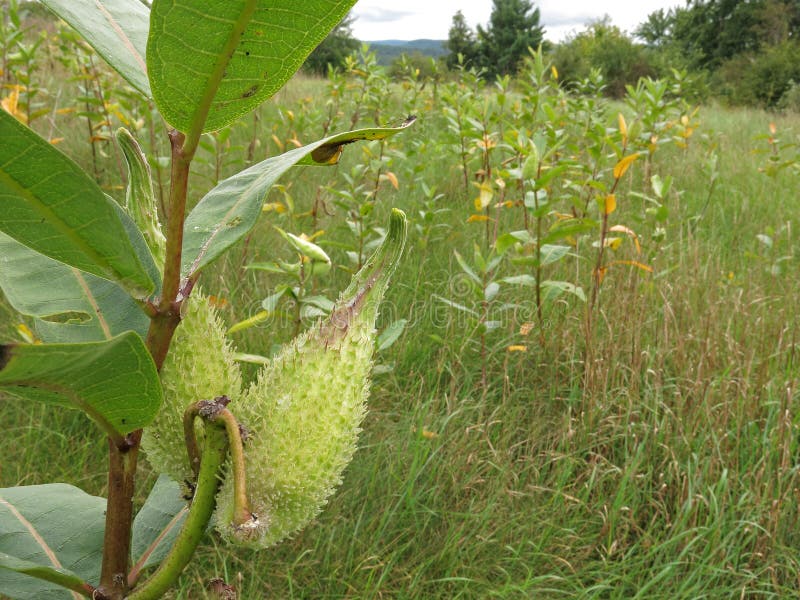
x=37 y=538
x=62 y=228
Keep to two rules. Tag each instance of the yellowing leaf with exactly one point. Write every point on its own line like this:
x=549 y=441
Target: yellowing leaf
x=10 y=104
x=429 y=435
x=391 y=178
x=634 y=263
x=26 y=334
x=526 y=328
x=610 y=204
x=517 y=348
x=622 y=166
x=623 y=128
x=278 y=207
x=554 y=72
x=218 y=302
x=485 y=197
x=629 y=232
x=56 y=140
x=477 y=218
x=487 y=143
x=259 y=317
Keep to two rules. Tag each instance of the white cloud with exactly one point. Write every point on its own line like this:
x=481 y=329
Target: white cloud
x=414 y=19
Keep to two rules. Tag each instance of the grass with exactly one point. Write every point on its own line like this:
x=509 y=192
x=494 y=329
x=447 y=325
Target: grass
x=671 y=474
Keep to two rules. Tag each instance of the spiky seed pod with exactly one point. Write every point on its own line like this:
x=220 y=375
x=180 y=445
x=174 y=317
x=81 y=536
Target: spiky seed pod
x=199 y=366
x=304 y=411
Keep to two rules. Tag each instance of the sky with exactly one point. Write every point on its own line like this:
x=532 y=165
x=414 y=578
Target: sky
x=431 y=19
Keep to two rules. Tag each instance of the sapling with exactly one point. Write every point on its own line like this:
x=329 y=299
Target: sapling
x=127 y=338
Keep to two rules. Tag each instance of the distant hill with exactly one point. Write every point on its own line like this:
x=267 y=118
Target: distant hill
x=388 y=50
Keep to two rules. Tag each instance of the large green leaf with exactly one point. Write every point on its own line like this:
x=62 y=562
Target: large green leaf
x=115 y=382
x=56 y=526
x=117 y=29
x=49 y=204
x=231 y=209
x=60 y=577
x=69 y=305
x=158 y=522
x=225 y=58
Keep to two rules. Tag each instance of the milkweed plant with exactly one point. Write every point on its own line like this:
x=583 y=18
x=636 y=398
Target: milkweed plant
x=126 y=336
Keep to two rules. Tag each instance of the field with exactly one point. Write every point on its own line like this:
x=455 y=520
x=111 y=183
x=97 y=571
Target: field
x=589 y=386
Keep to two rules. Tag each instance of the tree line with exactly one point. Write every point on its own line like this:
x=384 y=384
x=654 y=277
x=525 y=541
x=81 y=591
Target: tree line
x=740 y=51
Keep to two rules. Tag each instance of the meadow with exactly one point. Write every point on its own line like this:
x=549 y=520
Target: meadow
x=587 y=382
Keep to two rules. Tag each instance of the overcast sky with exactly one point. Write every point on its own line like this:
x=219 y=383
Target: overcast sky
x=414 y=19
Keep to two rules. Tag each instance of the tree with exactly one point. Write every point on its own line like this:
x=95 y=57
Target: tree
x=461 y=40
x=606 y=47
x=513 y=28
x=339 y=44
x=656 y=30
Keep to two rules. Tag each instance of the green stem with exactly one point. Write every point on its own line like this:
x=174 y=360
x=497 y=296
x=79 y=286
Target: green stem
x=215 y=450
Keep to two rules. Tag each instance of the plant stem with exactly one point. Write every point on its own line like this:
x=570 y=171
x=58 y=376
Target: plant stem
x=215 y=450
x=119 y=516
x=241 y=506
x=164 y=323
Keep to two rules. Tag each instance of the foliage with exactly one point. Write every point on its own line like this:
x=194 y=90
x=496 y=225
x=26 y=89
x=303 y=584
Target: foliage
x=461 y=41
x=759 y=79
x=519 y=444
x=745 y=46
x=333 y=50
x=605 y=47
x=499 y=48
x=513 y=29
x=103 y=341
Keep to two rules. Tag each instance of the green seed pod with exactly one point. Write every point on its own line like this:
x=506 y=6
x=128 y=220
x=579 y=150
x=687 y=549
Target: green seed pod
x=304 y=412
x=199 y=366
x=140 y=202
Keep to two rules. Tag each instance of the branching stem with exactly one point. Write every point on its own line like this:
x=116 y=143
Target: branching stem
x=215 y=450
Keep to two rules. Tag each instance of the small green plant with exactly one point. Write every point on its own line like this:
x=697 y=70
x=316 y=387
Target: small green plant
x=125 y=336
